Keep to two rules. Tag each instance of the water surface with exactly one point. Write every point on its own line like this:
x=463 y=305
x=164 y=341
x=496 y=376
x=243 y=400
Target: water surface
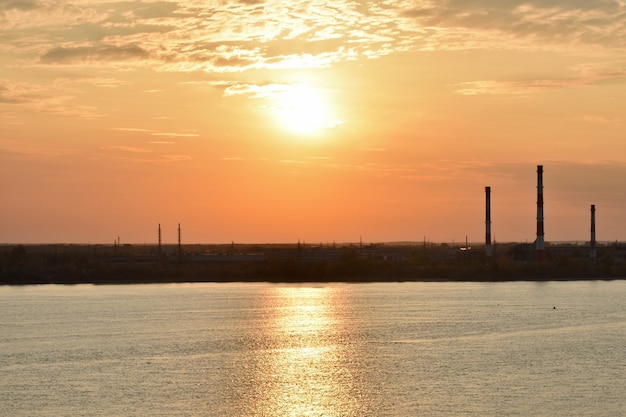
x=401 y=349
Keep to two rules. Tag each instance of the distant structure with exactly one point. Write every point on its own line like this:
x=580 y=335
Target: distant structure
x=160 y=249
x=180 y=248
x=592 y=242
x=539 y=243
x=488 y=222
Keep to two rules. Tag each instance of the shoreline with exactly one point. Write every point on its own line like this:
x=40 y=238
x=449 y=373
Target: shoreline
x=282 y=280
x=97 y=264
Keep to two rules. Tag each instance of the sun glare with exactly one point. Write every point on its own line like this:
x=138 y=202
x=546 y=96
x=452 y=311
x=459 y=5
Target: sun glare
x=303 y=110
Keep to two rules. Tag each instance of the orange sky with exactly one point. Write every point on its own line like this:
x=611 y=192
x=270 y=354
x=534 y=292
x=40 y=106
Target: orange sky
x=318 y=121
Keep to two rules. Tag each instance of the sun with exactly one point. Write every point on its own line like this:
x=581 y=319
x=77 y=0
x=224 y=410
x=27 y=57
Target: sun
x=302 y=110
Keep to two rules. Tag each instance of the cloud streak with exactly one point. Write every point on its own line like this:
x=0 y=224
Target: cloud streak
x=136 y=154
x=580 y=76
x=93 y=54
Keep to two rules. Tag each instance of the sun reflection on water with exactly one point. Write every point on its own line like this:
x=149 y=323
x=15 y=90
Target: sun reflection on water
x=307 y=368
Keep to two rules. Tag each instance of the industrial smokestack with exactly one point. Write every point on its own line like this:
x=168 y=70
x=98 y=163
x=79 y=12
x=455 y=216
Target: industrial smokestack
x=540 y=232
x=488 y=221
x=180 y=249
x=592 y=253
x=160 y=252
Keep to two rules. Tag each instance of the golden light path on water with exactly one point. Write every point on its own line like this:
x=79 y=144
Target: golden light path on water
x=310 y=369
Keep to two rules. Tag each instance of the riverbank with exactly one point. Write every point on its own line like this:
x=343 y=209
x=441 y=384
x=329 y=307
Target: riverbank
x=97 y=264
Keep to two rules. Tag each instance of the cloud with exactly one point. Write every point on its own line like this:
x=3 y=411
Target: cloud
x=37 y=19
x=183 y=134
x=294 y=162
x=176 y=134
x=44 y=99
x=581 y=75
x=13 y=92
x=81 y=112
x=188 y=36
x=524 y=24
x=162 y=159
x=25 y=150
x=131 y=129
x=176 y=158
x=90 y=54
x=124 y=149
x=236 y=36
x=22 y=5
x=100 y=82
x=139 y=155
x=254 y=90
x=7 y=96
x=594 y=118
x=517 y=88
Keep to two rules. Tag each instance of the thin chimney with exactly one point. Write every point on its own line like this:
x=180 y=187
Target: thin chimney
x=593 y=253
x=540 y=231
x=488 y=222
x=160 y=249
x=180 y=249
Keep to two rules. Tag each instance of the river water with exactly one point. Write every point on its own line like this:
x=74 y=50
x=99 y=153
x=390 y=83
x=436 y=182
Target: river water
x=387 y=349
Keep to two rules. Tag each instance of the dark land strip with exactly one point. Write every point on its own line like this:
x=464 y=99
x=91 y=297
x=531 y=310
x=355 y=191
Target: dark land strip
x=132 y=264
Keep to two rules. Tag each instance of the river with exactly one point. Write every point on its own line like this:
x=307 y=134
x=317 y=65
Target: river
x=382 y=349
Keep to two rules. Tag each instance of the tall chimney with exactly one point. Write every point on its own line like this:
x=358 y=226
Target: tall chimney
x=488 y=222
x=592 y=253
x=160 y=251
x=540 y=232
x=180 y=249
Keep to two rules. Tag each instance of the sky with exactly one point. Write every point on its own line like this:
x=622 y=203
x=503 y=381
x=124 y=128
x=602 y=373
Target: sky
x=281 y=121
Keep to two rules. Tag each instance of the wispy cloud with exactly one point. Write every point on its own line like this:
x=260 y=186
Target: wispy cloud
x=93 y=81
x=256 y=90
x=93 y=54
x=162 y=159
x=294 y=162
x=580 y=75
x=131 y=129
x=29 y=151
x=44 y=99
x=175 y=134
x=80 y=112
x=150 y=132
x=136 y=154
x=517 y=88
x=600 y=119
x=13 y=92
x=124 y=149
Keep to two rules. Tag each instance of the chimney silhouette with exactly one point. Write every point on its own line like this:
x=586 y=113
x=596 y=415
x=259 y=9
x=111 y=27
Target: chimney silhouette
x=592 y=242
x=540 y=232
x=160 y=249
x=488 y=221
x=180 y=248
